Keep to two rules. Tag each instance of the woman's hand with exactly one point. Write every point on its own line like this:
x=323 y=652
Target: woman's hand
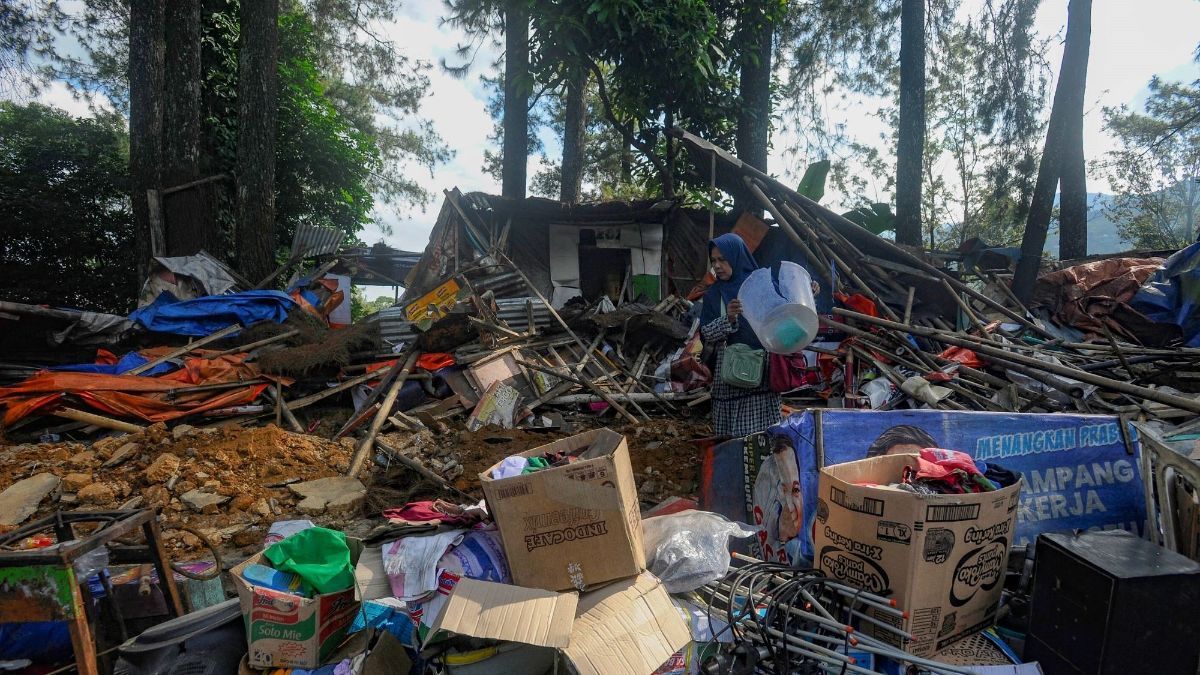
x=734 y=310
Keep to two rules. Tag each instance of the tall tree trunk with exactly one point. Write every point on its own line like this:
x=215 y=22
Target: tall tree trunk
x=910 y=146
x=1068 y=103
x=257 y=69
x=516 y=100
x=574 y=128
x=189 y=224
x=145 y=118
x=755 y=32
x=1072 y=204
x=668 y=169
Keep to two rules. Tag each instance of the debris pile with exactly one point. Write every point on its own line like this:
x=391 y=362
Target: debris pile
x=228 y=483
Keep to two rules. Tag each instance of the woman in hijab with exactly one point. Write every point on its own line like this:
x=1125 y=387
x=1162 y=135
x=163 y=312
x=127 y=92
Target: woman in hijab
x=737 y=412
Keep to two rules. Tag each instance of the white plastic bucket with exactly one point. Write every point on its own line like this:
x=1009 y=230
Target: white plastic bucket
x=782 y=313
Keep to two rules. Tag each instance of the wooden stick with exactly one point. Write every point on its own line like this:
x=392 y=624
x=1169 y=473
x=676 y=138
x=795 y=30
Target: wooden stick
x=352 y=382
x=98 y=420
x=255 y=345
x=288 y=415
x=421 y=470
x=1020 y=359
x=175 y=353
x=912 y=290
x=360 y=455
x=588 y=384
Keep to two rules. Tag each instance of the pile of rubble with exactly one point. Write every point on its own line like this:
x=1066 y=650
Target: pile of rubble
x=229 y=484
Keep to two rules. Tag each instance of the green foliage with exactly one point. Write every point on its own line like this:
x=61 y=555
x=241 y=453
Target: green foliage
x=323 y=162
x=877 y=218
x=361 y=308
x=67 y=225
x=812 y=185
x=1156 y=170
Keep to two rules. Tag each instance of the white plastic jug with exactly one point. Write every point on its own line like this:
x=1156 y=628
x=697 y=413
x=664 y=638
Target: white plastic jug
x=783 y=313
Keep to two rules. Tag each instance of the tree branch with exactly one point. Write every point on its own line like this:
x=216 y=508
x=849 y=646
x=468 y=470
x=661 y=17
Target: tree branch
x=624 y=129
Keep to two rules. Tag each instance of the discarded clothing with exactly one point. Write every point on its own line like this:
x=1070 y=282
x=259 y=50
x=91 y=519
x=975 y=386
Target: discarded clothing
x=209 y=314
x=510 y=466
x=411 y=563
x=435 y=512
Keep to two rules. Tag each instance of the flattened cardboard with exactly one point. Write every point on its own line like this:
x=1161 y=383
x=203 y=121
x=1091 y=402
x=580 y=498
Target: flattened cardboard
x=627 y=628
x=531 y=616
x=943 y=556
x=369 y=575
x=290 y=631
x=572 y=526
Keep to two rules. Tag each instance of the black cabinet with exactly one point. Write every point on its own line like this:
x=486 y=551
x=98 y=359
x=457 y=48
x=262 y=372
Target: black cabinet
x=1112 y=603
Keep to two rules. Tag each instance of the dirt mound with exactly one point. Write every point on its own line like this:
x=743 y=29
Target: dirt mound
x=230 y=483
x=665 y=454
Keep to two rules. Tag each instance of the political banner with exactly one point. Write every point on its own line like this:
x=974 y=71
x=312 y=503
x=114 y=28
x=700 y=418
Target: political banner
x=1080 y=472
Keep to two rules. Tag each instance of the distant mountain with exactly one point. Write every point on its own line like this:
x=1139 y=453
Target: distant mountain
x=1102 y=232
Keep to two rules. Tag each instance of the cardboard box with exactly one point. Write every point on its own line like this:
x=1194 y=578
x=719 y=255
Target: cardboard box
x=572 y=526
x=943 y=556
x=290 y=631
x=630 y=627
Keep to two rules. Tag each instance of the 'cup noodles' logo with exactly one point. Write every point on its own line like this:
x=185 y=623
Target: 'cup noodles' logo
x=981 y=535
x=854 y=569
x=980 y=569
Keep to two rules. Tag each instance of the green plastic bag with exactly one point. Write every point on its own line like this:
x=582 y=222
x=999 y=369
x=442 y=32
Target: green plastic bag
x=318 y=555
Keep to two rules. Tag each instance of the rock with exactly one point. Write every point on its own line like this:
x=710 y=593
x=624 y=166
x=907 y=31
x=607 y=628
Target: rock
x=347 y=442
x=335 y=495
x=200 y=475
x=262 y=508
x=157 y=495
x=202 y=501
x=182 y=430
x=68 y=499
x=183 y=486
x=21 y=499
x=132 y=503
x=162 y=468
x=654 y=445
x=97 y=493
x=85 y=458
x=74 y=482
x=122 y=454
x=241 y=503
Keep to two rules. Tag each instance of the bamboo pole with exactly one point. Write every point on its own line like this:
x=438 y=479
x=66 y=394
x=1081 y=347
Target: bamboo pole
x=1020 y=359
x=175 y=353
x=97 y=420
x=364 y=448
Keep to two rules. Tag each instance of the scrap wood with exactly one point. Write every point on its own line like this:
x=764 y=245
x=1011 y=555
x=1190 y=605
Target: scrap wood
x=364 y=449
x=97 y=420
x=224 y=332
x=1003 y=356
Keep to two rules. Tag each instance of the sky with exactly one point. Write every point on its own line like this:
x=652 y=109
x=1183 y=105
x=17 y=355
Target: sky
x=1132 y=41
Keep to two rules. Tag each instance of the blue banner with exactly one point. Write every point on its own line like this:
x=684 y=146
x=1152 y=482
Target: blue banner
x=1079 y=471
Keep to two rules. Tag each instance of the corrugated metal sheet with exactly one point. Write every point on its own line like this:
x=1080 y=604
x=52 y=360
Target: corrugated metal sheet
x=394 y=328
x=315 y=240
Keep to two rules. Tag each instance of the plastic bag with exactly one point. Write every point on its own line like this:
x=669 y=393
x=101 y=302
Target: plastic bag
x=318 y=555
x=691 y=548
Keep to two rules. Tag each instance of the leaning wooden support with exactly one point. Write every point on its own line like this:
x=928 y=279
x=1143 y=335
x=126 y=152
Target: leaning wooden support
x=97 y=420
x=385 y=409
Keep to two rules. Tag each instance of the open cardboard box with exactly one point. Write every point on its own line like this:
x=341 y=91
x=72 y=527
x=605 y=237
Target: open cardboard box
x=943 y=556
x=573 y=526
x=291 y=631
x=630 y=627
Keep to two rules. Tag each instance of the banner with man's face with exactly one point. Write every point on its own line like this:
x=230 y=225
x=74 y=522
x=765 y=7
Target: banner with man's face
x=1080 y=471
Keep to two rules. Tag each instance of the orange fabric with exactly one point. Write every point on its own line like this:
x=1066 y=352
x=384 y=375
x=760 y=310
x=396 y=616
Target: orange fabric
x=963 y=356
x=142 y=397
x=435 y=361
x=105 y=357
x=858 y=303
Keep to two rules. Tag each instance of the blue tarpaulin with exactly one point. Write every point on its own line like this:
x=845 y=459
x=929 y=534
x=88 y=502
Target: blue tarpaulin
x=1172 y=295
x=123 y=365
x=211 y=313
